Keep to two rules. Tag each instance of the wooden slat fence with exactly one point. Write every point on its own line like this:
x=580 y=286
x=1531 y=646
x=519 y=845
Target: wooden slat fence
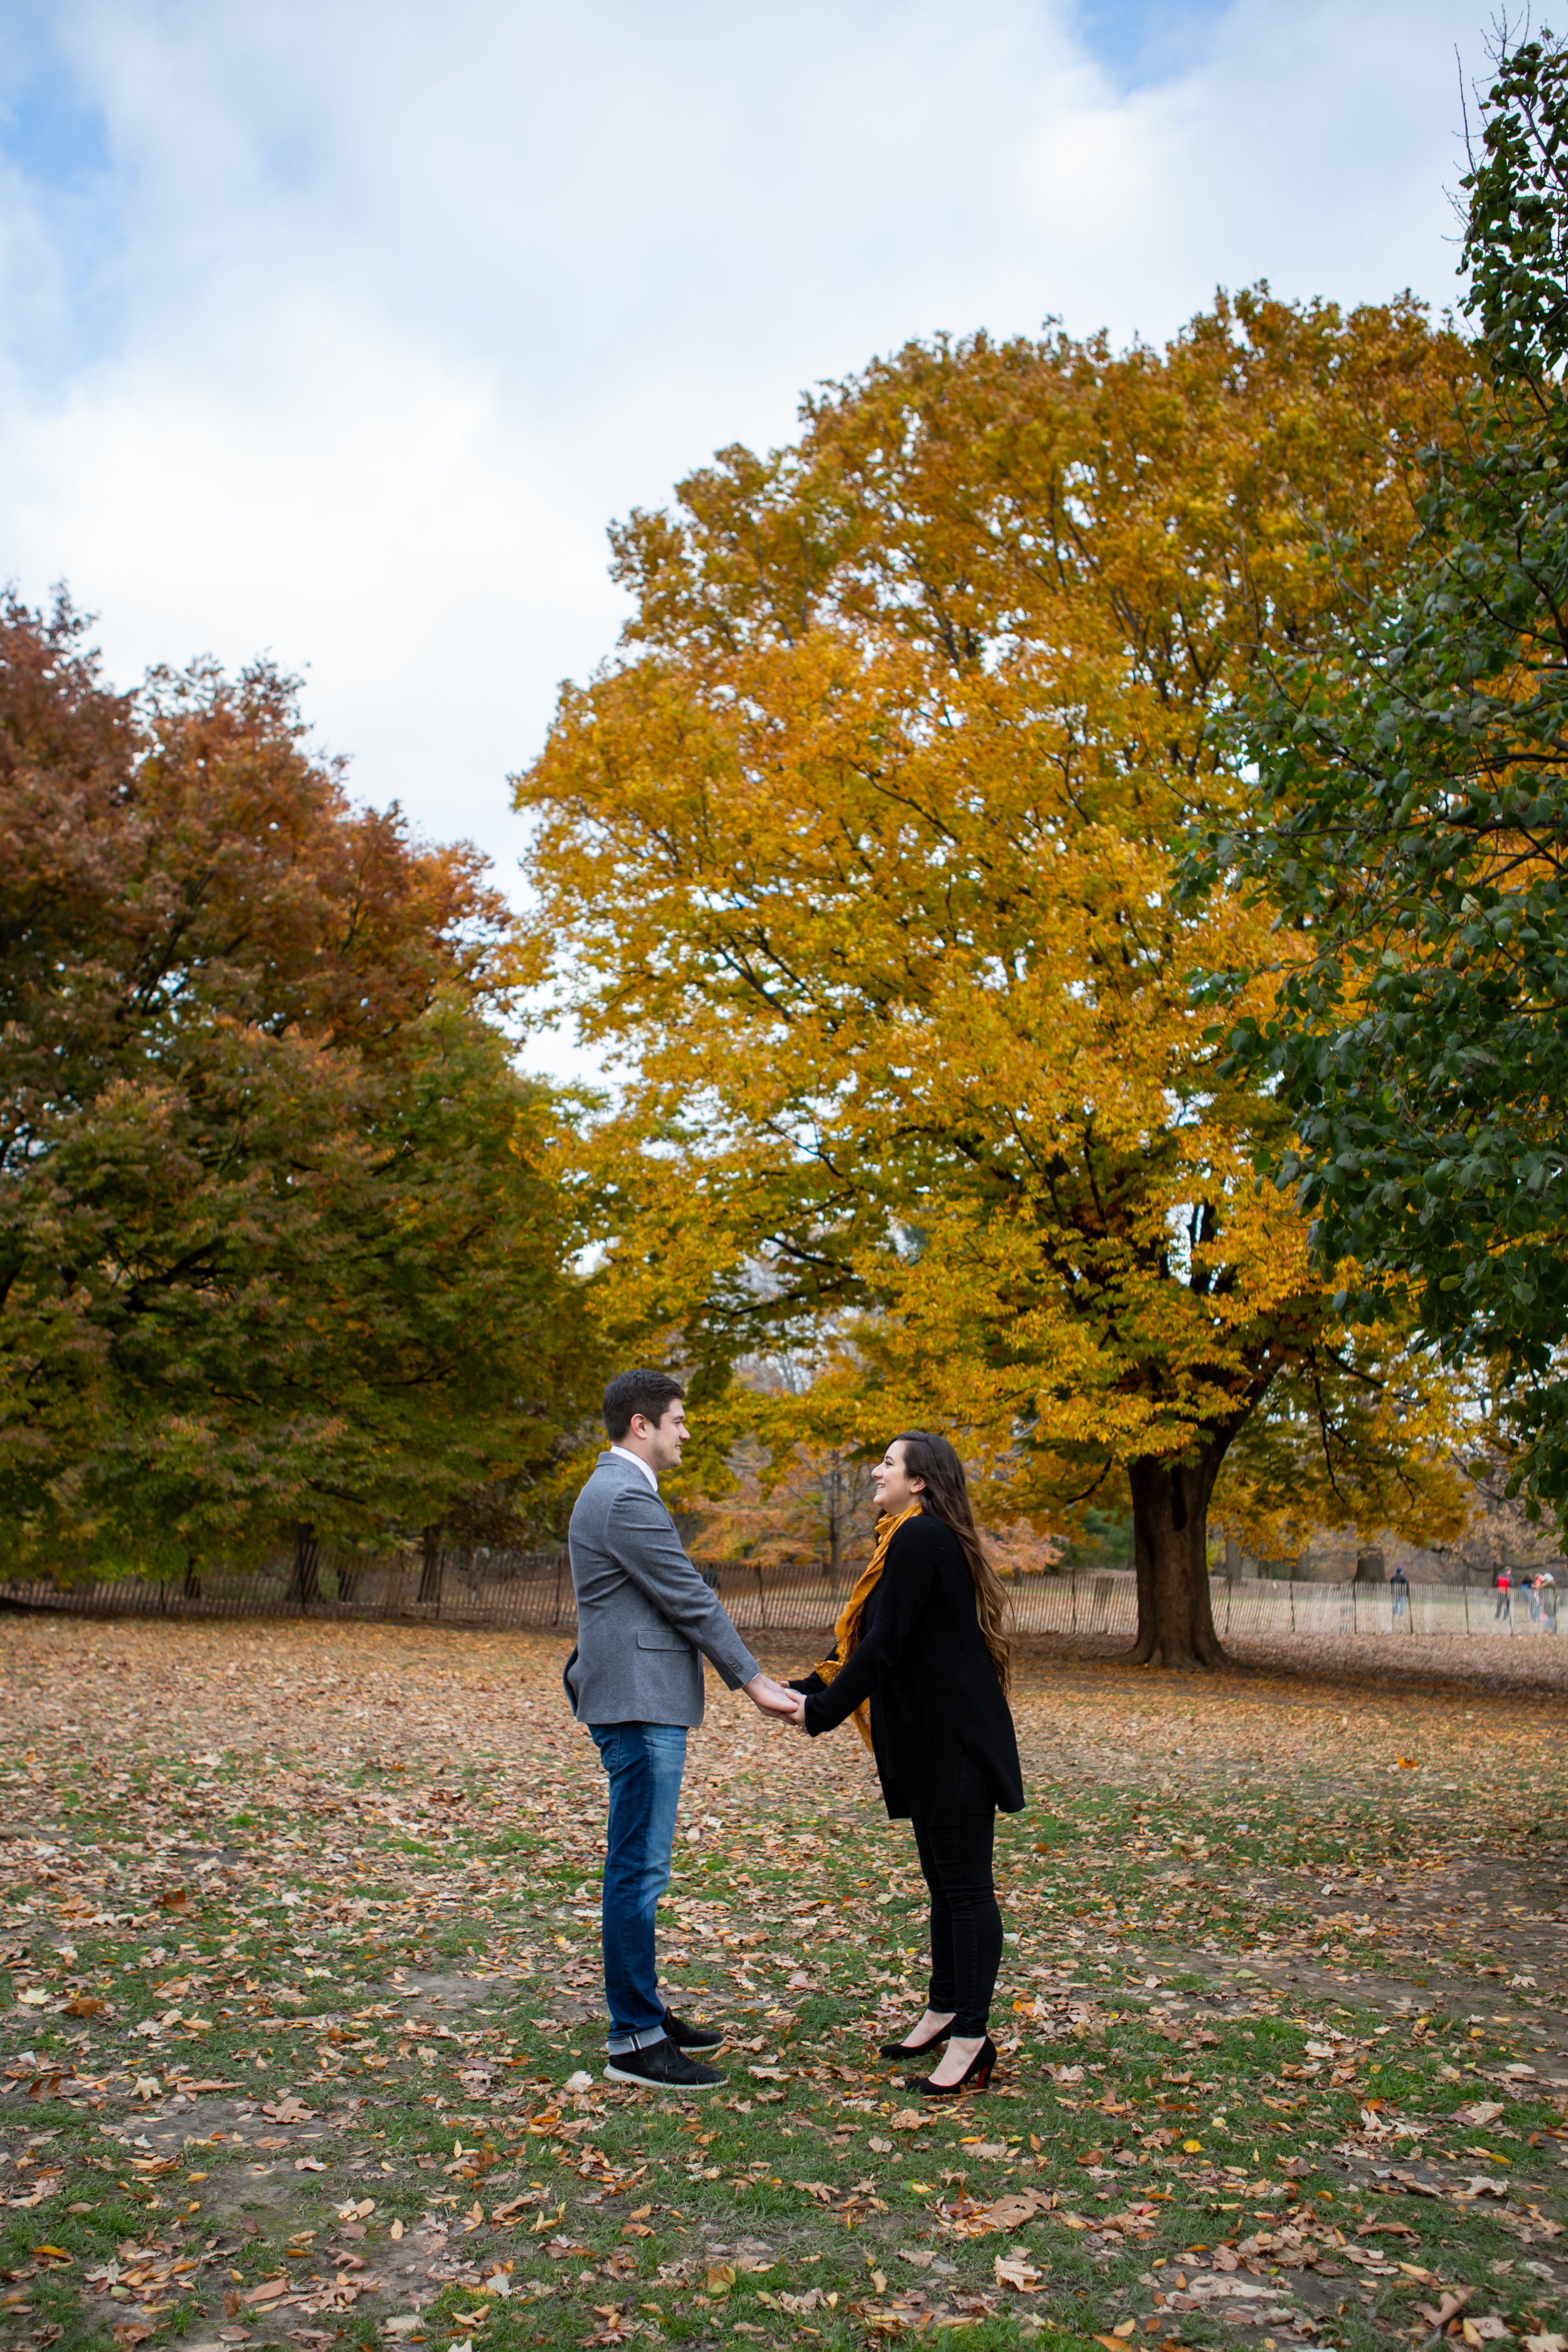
x=533 y=1589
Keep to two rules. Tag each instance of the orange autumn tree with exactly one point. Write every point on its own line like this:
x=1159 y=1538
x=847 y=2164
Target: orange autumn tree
x=861 y=855
x=285 y=1243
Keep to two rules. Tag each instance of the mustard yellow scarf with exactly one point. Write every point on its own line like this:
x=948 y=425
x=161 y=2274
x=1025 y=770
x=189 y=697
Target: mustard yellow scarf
x=846 y=1632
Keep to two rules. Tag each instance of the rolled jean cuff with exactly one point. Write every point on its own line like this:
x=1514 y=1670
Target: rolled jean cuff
x=620 y=2043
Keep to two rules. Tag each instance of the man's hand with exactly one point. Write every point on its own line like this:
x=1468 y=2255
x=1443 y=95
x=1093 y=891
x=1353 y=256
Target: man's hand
x=771 y=1696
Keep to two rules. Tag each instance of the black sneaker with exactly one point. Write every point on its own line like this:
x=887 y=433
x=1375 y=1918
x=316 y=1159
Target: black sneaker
x=662 y=2067
x=691 y=2037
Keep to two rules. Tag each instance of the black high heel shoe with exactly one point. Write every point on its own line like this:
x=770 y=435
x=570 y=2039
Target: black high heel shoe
x=913 y=2049
x=976 y=2076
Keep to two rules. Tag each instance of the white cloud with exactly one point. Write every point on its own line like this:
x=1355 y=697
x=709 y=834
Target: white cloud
x=386 y=310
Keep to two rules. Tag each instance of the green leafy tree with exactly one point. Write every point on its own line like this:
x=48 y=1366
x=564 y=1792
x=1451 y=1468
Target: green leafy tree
x=1415 y=824
x=283 y=1236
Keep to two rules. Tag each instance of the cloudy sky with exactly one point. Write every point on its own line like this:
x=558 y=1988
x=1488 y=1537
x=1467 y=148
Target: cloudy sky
x=339 y=329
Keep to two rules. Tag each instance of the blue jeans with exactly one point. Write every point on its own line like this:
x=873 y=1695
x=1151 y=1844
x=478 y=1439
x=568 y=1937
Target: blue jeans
x=645 y=1762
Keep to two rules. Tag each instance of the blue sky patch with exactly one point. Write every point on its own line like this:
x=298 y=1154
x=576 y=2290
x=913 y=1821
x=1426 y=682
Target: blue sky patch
x=1141 y=41
x=48 y=130
x=54 y=140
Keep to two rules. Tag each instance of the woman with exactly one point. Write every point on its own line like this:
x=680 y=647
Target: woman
x=922 y=1664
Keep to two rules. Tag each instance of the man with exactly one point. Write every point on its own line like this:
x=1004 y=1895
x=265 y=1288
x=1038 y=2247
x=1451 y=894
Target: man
x=645 y=1619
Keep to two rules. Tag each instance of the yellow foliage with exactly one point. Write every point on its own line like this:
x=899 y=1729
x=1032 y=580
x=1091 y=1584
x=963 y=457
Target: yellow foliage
x=862 y=856
x=802 y=1511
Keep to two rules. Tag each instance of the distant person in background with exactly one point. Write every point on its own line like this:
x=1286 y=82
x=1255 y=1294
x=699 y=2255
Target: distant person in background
x=1546 y=1586
x=1399 y=1585
x=1504 y=1608
x=1532 y=1595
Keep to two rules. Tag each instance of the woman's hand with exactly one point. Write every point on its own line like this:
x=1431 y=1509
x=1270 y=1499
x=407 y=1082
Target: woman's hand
x=798 y=1713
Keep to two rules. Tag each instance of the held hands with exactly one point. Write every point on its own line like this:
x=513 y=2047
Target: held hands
x=772 y=1698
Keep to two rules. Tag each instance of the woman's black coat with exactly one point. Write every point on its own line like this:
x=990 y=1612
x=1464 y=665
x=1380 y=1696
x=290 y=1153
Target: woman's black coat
x=922 y=1662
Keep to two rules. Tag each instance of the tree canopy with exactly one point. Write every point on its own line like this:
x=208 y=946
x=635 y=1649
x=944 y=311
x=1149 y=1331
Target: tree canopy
x=283 y=1237
x=1412 y=820
x=863 y=854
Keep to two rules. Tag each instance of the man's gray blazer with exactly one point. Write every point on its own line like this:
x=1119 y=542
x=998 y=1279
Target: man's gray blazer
x=645 y=1617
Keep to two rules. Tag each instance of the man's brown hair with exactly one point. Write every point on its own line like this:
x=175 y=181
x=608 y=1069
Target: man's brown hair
x=638 y=1390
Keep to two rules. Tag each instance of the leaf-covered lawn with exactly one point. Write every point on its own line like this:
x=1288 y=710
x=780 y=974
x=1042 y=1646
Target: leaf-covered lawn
x=302 y=2040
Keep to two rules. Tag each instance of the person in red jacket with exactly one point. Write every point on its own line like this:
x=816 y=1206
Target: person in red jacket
x=921 y=1663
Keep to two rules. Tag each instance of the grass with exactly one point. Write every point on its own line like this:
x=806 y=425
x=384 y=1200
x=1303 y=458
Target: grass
x=354 y=1882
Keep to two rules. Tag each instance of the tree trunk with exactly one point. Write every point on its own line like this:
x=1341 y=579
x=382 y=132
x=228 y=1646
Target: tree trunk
x=1170 y=1550
x=834 y=1540
x=834 y=1524
x=305 y=1585
x=193 y=1580
x=430 y=1565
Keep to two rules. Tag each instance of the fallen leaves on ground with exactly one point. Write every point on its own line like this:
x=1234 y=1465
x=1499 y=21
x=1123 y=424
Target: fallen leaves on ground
x=293 y=1889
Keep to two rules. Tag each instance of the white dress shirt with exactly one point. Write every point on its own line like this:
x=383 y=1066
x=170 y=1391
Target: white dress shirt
x=627 y=1455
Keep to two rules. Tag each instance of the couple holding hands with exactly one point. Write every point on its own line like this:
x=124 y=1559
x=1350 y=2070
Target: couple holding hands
x=921 y=1662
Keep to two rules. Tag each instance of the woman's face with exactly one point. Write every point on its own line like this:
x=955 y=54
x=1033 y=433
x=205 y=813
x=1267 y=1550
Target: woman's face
x=896 y=1490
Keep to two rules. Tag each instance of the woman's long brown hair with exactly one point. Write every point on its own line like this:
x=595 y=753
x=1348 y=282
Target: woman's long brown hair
x=946 y=1497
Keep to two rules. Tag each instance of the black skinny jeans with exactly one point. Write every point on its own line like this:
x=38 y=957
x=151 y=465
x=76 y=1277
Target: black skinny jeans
x=966 y=1921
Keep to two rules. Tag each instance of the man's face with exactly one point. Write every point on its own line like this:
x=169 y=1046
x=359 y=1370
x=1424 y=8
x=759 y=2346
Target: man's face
x=664 y=1438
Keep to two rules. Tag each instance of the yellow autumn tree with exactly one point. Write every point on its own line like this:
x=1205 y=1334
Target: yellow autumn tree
x=861 y=855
